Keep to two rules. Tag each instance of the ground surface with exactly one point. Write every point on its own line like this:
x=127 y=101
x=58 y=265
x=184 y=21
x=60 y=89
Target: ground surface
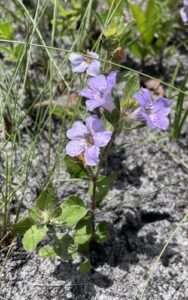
x=144 y=207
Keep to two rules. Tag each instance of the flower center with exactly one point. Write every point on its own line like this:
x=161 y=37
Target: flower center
x=98 y=96
x=90 y=141
x=148 y=110
x=84 y=64
x=153 y=118
x=87 y=141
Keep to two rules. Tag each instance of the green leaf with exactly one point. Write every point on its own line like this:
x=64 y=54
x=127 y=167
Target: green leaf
x=153 y=19
x=73 y=200
x=74 y=168
x=132 y=86
x=46 y=200
x=58 y=111
x=46 y=203
x=18 y=50
x=104 y=183
x=84 y=248
x=55 y=213
x=33 y=236
x=35 y=214
x=44 y=216
x=14 y=53
x=136 y=49
x=113 y=117
x=6 y=49
x=22 y=226
x=147 y=22
x=85 y=267
x=64 y=246
x=139 y=17
x=47 y=251
x=83 y=232
x=101 y=232
x=6 y=30
x=72 y=214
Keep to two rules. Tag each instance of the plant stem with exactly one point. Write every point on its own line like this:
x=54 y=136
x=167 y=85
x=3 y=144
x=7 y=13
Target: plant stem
x=93 y=197
x=93 y=201
x=56 y=2
x=107 y=151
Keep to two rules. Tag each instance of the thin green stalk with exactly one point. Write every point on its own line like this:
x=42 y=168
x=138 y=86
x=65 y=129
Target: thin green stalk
x=175 y=74
x=28 y=56
x=179 y=110
x=6 y=196
x=87 y=25
x=51 y=81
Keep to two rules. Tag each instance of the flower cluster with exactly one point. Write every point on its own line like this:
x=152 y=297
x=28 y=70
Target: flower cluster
x=184 y=11
x=87 y=139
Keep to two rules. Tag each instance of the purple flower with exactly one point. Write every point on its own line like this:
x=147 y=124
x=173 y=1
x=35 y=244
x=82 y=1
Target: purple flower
x=184 y=11
x=87 y=139
x=98 y=92
x=153 y=112
x=89 y=64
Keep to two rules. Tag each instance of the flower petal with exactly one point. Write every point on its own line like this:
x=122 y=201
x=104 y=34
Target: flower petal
x=185 y=2
x=161 y=122
x=102 y=139
x=76 y=58
x=74 y=148
x=79 y=68
x=92 y=156
x=137 y=115
x=92 y=104
x=161 y=106
x=143 y=97
x=184 y=15
x=94 y=124
x=87 y=93
x=77 y=131
x=111 y=80
x=109 y=102
x=149 y=122
x=93 y=68
x=93 y=54
x=97 y=83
